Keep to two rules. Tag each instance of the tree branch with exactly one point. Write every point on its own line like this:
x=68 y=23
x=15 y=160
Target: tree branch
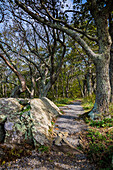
x=65 y=29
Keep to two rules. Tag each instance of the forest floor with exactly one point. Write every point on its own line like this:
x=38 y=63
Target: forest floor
x=59 y=157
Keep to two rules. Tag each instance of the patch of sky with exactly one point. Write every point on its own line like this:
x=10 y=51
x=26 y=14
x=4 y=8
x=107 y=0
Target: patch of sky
x=67 y=7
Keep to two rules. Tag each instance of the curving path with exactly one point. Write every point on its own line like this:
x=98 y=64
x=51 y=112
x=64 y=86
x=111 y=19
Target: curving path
x=70 y=122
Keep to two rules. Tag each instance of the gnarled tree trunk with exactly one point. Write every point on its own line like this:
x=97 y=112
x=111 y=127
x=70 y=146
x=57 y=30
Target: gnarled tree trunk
x=103 y=89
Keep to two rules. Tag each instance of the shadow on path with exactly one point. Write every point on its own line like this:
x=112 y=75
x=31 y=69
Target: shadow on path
x=67 y=122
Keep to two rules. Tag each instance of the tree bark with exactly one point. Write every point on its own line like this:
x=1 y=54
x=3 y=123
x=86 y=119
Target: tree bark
x=88 y=82
x=102 y=91
x=67 y=85
x=44 y=91
x=111 y=72
x=111 y=57
x=93 y=83
x=18 y=90
x=85 y=86
x=103 y=86
x=81 y=90
x=33 y=85
x=62 y=84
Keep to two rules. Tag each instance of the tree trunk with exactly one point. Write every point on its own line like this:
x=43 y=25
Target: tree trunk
x=33 y=85
x=85 y=86
x=62 y=83
x=88 y=82
x=67 y=86
x=103 y=90
x=103 y=86
x=111 y=72
x=15 y=92
x=57 y=89
x=44 y=91
x=111 y=57
x=82 y=94
x=93 y=82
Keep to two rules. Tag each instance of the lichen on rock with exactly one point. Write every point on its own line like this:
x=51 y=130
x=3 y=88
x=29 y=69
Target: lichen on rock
x=26 y=120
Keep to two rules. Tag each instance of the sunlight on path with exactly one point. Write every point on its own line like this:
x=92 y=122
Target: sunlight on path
x=70 y=122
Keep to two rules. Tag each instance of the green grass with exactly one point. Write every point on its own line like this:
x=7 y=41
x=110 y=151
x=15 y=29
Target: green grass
x=106 y=122
x=60 y=104
x=63 y=101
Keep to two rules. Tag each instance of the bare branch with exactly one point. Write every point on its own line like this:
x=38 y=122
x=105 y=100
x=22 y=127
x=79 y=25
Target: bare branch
x=21 y=78
x=65 y=29
x=2 y=13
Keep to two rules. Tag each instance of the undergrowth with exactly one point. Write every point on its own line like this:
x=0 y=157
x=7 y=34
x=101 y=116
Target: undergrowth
x=97 y=141
x=88 y=102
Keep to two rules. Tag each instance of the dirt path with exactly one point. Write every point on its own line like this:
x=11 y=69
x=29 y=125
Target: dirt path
x=60 y=157
x=70 y=122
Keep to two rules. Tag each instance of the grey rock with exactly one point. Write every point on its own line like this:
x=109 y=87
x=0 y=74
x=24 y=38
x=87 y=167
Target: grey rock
x=28 y=122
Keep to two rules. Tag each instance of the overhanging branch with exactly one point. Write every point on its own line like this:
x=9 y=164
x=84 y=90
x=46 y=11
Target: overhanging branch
x=65 y=29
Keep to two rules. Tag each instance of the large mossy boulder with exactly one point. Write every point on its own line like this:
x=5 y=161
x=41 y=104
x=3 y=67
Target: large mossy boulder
x=26 y=120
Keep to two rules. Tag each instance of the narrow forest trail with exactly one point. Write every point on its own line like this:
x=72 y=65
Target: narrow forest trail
x=59 y=157
x=70 y=122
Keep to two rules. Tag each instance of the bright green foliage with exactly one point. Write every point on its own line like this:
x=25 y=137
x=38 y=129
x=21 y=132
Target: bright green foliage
x=107 y=122
x=88 y=102
x=63 y=101
x=52 y=122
